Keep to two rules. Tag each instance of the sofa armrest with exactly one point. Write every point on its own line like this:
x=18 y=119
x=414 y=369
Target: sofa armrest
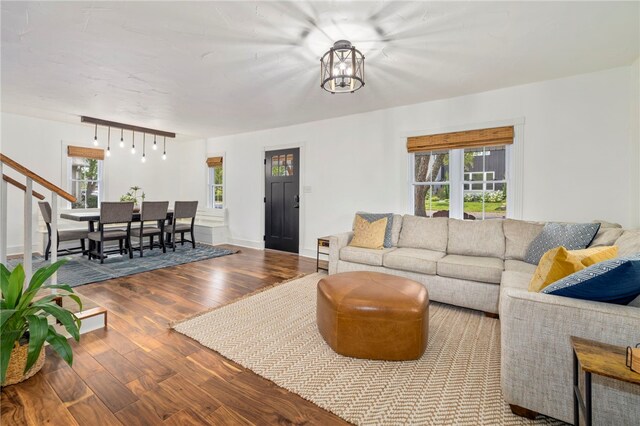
x=537 y=358
x=337 y=242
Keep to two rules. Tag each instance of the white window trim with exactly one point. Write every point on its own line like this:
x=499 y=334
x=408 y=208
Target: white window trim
x=210 y=197
x=514 y=160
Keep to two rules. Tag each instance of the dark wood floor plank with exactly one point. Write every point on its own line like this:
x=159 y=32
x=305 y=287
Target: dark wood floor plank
x=119 y=367
x=41 y=403
x=138 y=414
x=186 y=417
x=91 y=411
x=68 y=385
x=113 y=393
x=169 y=377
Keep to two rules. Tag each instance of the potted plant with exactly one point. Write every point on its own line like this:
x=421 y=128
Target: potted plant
x=23 y=322
x=132 y=195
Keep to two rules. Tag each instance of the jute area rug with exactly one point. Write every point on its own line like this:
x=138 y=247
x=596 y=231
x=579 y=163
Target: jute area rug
x=274 y=334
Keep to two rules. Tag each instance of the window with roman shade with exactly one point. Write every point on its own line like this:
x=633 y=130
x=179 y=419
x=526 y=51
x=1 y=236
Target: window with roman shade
x=85 y=175
x=216 y=182
x=461 y=174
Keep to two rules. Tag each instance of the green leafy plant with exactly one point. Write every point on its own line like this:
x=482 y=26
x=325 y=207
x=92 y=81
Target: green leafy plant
x=132 y=195
x=24 y=320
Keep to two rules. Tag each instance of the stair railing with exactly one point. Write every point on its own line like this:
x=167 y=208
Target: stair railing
x=56 y=191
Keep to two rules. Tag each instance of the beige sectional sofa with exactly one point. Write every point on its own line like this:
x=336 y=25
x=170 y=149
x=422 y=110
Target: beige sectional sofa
x=479 y=265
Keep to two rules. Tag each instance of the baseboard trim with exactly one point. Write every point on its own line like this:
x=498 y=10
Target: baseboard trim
x=247 y=243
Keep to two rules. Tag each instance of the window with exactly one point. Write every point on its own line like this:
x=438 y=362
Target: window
x=85 y=182
x=282 y=165
x=216 y=182
x=485 y=184
x=466 y=177
x=431 y=183
x=85 y=176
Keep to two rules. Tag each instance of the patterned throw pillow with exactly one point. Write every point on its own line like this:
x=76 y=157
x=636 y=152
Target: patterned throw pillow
x=572 y=236
x=372 y=217
x=559 y=262
x=369 y=234
x=612 y=281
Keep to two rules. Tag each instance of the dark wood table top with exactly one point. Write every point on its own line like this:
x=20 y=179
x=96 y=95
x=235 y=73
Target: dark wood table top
x=95 y=216
x=604 y=360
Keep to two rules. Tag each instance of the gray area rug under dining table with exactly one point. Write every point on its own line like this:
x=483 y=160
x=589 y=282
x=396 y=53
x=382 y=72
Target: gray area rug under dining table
x=79 y=270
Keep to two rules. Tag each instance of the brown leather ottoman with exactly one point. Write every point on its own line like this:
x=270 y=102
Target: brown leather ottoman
x=373 y=315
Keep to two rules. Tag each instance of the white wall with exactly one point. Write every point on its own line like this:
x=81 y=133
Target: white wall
x=38 y=145
x=581 y=160
x=634 y=93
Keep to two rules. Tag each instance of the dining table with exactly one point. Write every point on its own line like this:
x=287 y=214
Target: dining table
x=94 y=217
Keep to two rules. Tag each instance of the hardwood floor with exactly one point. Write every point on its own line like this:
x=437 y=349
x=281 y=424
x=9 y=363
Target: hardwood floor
x=139 y=372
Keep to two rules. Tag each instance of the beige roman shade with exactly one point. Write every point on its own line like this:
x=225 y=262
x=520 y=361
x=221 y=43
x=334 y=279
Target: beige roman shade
x=214 y=161
x=459 y=140
x=84 y=152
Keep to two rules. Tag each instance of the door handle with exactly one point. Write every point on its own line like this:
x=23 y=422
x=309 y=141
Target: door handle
x=296 y=200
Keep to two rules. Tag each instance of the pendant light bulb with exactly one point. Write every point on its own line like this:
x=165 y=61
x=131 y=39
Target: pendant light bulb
x=164 y=156
x=95 y=137
x=133 y=142
x=144 y=158
x=108 y=152
x=164 y=148
x=121 y=138
x=155 y=144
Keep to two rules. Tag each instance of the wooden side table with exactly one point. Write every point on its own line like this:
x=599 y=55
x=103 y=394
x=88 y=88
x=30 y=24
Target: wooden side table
x=323 y=250
x=596 y=358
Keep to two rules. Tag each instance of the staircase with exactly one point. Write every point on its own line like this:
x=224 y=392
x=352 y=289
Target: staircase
x=94 y=316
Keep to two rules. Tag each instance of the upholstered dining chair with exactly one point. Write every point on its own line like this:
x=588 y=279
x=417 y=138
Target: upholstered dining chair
x=152 y=211
x=113 y=213
x=64 y=235
x=182 y=210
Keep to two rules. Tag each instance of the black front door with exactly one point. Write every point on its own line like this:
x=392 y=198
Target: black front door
x=282 y=199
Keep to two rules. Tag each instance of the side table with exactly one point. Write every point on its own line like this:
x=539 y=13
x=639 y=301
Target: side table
x=602 y=359
x=323 y=250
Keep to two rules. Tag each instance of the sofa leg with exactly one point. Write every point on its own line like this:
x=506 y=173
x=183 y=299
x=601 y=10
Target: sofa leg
x=523 y=412
x=491 y=315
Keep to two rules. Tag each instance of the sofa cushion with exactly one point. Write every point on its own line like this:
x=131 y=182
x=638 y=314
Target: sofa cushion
x=606 y=237
x=473 y=268
x=369 y=234
x=572 y=236
x=364 y=256
x=414 y=260
x=612 y=281
x=483 y=238
x=396 y=227
x=629 y=243
x=515 y=279
x=372 y=217
x=518 y=237
x=424 y=233
x=519 y=266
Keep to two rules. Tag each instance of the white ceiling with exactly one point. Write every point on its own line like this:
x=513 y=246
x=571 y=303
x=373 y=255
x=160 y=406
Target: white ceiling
x=215 y=68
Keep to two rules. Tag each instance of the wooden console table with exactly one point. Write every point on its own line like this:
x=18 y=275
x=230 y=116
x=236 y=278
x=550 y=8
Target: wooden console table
x=596 y=358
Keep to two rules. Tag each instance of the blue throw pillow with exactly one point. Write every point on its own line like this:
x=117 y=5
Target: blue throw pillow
x=372 y=217
x=572 y=236
x=612 y=281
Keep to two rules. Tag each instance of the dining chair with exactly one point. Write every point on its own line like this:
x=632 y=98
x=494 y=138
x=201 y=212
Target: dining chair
x=182 y=210
x=152 y=211
x=64 y=235
x=113 y=213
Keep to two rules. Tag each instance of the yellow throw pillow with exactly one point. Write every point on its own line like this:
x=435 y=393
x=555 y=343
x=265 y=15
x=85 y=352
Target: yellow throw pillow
x=369 y=234
x=554 y=265
x=593 y=255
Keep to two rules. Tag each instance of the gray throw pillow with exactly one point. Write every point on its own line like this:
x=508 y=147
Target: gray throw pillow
x=572 y=236
x=372 y=217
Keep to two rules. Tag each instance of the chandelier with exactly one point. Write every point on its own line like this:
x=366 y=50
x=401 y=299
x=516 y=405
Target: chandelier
x=342 y=68
x=145 y=131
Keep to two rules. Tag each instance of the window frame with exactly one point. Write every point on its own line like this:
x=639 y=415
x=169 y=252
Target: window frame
x=70 y=182
x=457 y=181
x=211 y=185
